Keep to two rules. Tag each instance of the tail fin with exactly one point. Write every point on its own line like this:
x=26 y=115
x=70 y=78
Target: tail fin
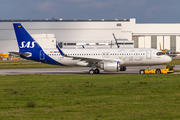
x=24 y=39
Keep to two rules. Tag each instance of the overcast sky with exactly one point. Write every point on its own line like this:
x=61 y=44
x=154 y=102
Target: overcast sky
x=145 y=11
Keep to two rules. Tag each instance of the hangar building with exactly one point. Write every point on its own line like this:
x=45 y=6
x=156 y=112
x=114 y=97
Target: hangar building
x=93 y=34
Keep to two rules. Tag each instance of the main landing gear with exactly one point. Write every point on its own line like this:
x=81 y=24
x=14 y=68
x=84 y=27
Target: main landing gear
x=96 y=71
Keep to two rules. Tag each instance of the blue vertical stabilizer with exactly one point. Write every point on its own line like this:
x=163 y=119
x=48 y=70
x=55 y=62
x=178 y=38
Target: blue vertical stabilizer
x=24 y=39
x=29 y=48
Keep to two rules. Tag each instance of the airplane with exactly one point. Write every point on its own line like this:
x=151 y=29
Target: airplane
x=109 y=60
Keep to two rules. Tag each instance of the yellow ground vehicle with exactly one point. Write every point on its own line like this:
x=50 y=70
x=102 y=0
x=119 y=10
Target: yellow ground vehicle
x=1 y=56
x=5 y=55
x=168 y=69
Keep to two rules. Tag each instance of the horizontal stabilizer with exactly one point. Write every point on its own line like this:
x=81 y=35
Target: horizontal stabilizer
x=27 y=54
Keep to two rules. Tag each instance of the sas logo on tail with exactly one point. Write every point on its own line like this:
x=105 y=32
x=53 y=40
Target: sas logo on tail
x=27 y=45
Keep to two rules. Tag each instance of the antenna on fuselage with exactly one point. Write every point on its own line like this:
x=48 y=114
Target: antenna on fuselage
x=115 y=40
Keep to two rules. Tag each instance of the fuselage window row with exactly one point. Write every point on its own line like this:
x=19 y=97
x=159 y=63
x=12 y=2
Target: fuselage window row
x=112 y=54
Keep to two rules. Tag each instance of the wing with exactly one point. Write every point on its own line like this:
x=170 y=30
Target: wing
x=88 y=59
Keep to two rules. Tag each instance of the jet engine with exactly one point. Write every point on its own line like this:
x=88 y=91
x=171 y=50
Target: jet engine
x=110 y=66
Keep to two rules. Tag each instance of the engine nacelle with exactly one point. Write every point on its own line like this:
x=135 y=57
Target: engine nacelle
x=110 y=66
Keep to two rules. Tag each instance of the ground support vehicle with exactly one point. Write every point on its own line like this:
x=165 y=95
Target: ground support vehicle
x=168 y=69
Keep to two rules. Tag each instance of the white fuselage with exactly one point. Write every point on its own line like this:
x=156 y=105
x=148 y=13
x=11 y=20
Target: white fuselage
x=126 y=56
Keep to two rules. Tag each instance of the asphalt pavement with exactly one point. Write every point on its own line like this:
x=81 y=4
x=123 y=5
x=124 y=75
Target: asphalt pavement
x=74 y=70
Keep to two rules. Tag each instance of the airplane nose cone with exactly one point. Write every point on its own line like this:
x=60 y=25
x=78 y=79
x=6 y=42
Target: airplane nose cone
x=168 y=59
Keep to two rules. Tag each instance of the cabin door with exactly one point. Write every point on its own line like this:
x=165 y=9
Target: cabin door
x=148 y=54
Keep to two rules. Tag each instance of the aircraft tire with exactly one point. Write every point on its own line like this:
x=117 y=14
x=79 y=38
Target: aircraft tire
x=91 y=71
x=96 y=71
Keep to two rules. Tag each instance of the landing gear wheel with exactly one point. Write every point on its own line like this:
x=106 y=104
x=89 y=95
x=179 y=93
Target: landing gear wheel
x=158 y=71
x=141 y=72
x=91 y=71
x=96 y=71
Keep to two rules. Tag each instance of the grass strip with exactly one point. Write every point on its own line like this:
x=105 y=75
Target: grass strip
x=90 y=97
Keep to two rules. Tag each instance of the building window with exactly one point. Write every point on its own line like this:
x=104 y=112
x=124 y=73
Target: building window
x=128 y=43
x=136 y=41
x=173 y=43
x=71 y=43
x=154 y=42
x=60 y=44
x=118 y=24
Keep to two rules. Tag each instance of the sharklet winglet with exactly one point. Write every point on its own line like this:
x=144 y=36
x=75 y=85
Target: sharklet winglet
x=61 y=52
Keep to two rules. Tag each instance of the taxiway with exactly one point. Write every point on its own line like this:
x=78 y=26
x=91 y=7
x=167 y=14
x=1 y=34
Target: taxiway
x=74 y=70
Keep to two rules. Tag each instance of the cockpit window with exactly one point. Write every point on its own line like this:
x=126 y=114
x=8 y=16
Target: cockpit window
x=160 y=53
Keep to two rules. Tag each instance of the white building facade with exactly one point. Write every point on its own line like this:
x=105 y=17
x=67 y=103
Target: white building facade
x=93 y=34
